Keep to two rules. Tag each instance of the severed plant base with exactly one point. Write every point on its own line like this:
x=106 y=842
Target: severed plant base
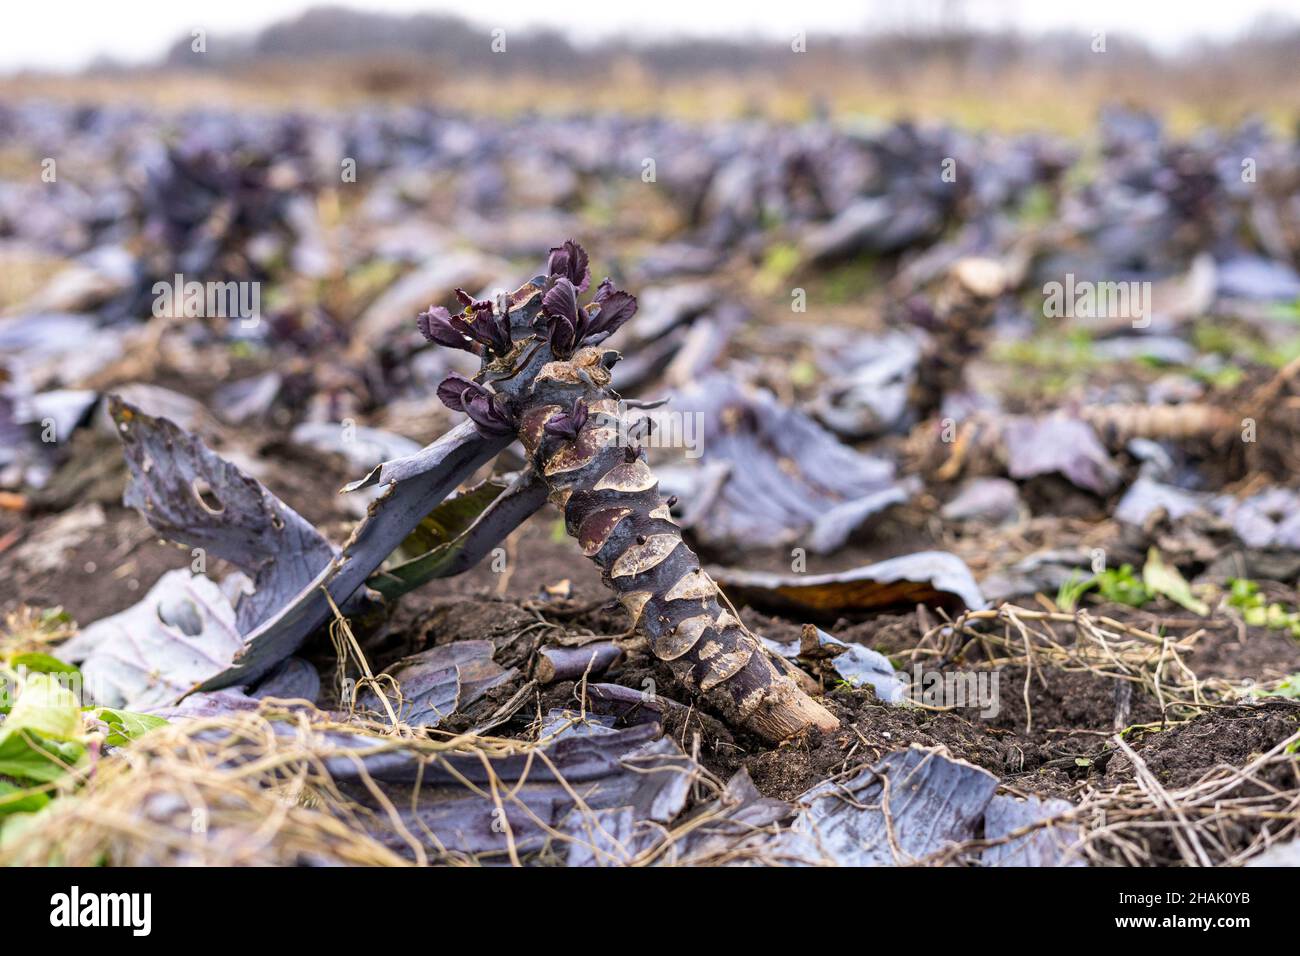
x=545 y=381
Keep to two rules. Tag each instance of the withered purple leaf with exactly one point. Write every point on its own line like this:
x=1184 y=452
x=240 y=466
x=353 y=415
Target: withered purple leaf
x=418 y=483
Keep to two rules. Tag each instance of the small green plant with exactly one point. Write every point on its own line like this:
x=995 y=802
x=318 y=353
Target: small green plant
x=1122 y=586
x=780 y=262
x=47 y=733
x=1289 y=688
x=1072 y=591
x=1165 y=579
x=1037 y=207
x=1244 y=595
x=1119 y=585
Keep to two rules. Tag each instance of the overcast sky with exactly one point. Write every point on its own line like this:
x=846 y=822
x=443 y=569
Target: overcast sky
x=67 y=34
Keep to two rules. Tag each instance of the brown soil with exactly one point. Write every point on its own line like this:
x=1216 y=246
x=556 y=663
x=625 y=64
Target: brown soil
x=1182 y=755
x=1052 y=733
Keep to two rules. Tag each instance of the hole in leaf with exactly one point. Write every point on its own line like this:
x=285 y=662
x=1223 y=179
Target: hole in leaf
x=206 y=497
x=182 y=614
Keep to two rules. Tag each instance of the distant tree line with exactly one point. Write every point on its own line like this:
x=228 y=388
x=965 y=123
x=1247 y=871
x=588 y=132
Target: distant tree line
x=452 y=44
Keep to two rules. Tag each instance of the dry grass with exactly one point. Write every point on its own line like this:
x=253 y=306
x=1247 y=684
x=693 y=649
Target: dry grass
x=225 y=791
x=27 y=629
x=1011 y=636
x=1011 y=99
x=1223 y=819
x=1227 y=816
x=275 y=787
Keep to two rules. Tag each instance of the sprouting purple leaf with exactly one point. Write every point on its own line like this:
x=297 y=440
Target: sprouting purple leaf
x=452 y=389
x=613 y=309
x=562 y=301
x=482 y=324
x=438 y=327
x=570 y=261
x=579 y=416
x=560 y=306
x=568 y=424
x=494 y=332
x=469 y=302
x=490 y=414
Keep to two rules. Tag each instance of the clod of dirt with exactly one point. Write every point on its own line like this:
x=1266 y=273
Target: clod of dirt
x=1180 y=756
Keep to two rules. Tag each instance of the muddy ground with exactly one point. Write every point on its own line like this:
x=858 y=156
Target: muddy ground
x=1051 y=734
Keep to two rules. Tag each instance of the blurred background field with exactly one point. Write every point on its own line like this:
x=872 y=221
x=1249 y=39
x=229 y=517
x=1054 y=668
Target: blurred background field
x=943 y=64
